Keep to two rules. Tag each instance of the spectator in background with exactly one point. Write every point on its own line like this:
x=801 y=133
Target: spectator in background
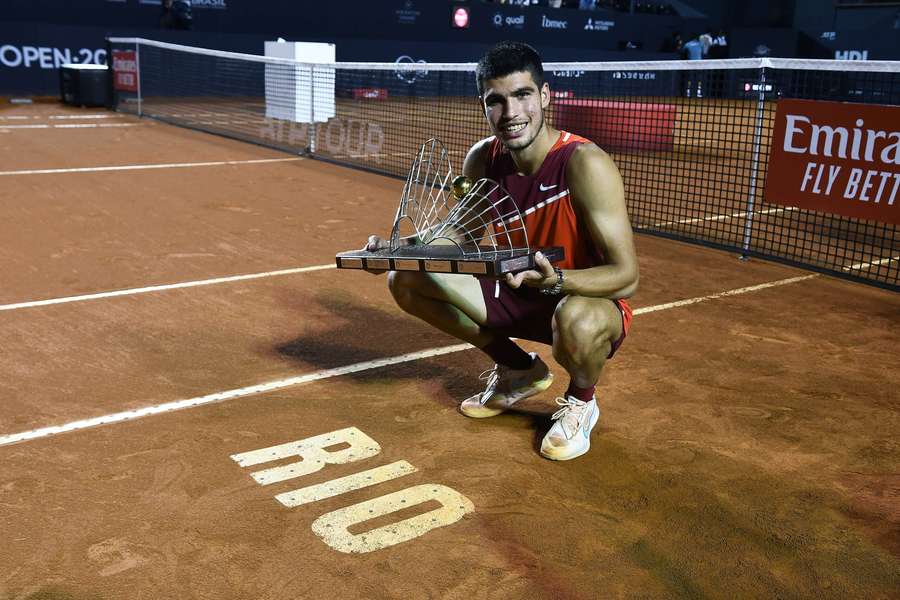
x=718 y=79
x=176 y=14
x=695 y=49
x=673 y=44
x=587 y=4
x=719 y=46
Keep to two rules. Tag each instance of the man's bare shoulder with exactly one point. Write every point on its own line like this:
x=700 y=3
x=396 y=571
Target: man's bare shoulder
x=594 y=178
x=589 y=156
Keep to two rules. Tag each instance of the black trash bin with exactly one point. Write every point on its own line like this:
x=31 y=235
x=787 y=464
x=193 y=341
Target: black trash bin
x=84 y=84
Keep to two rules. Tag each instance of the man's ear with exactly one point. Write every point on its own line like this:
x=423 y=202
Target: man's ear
x=545 y=95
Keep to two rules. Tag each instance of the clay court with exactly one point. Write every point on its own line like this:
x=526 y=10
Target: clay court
x=748 y=446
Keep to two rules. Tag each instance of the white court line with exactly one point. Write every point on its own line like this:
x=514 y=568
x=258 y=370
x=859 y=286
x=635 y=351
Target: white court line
x=69 y=125
x=723 y=217
x=156 y=166
x=130 y=415
x=866 y=265
x=81 y=125
x=87 y=116
x=160 y=288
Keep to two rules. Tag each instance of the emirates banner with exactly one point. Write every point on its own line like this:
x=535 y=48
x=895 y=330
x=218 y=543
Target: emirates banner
x=125 y=70
x=836 y=157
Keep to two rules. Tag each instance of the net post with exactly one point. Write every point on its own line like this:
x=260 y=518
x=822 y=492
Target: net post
x=137 y=58
x=312 y=109
x=111 y=102
x=754 y=163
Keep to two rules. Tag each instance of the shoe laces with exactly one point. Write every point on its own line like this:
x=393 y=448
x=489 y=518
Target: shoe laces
x=492 y=377
x=570 y=414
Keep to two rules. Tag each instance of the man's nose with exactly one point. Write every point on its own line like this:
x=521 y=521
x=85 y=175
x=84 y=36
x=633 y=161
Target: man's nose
x=511 y=108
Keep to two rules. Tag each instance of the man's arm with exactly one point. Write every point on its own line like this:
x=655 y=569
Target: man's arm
x=596 y=187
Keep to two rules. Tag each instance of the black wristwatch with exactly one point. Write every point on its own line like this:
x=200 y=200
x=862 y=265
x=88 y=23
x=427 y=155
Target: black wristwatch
x=556 y=289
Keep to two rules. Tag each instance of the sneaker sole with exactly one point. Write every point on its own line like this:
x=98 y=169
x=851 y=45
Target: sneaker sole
x=552 y=453
x=483 y=412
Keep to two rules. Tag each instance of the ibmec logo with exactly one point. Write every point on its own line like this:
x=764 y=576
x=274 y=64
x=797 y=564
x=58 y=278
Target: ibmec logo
x=851 y=55
x=553 y=23
x=836 y=157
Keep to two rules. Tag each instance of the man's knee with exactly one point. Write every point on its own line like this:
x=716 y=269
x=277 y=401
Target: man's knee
x=582 y=325
x=403 y=286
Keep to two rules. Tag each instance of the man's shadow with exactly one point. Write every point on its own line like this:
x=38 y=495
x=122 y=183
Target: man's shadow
x=363 y=333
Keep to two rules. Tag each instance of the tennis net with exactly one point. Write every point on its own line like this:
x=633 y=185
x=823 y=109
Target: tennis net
x=697 y=142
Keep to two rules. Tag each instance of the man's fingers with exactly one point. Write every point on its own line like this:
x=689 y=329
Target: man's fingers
x=513 y=281
x=523 y=278
x=543 y=265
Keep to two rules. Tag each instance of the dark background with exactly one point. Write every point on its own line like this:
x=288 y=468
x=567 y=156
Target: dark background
x=37 y=35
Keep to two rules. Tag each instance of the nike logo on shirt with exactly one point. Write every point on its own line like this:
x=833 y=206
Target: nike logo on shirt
x=545 y=188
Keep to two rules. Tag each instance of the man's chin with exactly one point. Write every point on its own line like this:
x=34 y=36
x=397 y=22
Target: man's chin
x=519 y=143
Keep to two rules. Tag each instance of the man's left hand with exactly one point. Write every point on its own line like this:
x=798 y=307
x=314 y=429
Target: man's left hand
x=542 y=277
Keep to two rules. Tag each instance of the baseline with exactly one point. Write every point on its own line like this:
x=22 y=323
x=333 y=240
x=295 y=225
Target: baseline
x=253 y=390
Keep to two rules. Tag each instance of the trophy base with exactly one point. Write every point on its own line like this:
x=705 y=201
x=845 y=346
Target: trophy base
x=445 y=259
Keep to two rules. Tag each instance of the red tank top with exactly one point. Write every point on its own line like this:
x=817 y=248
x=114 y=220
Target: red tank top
x=545 y=203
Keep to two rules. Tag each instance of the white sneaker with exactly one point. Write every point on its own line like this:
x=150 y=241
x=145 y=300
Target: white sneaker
x=570 y=435
x=505 y=387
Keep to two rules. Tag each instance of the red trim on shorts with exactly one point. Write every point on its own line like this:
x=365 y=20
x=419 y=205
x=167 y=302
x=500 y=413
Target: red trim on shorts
x=527 y=314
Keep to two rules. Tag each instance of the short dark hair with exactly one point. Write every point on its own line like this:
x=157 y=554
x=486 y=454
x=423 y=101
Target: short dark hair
x=509 y=57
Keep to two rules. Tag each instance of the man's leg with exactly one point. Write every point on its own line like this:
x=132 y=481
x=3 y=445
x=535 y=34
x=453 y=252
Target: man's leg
x=452 y=303
x=455 y=304
x=584 y=330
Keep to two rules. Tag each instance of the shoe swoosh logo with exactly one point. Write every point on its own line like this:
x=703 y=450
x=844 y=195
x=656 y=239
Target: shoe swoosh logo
x=546 y=188
x=585 y=429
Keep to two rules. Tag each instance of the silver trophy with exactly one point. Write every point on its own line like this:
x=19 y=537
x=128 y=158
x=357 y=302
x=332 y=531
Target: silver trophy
x=448 y=224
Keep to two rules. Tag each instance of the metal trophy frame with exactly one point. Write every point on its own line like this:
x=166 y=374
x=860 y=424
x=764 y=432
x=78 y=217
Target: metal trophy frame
x=452 y=224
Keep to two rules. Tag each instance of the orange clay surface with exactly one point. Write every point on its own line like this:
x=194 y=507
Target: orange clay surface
x=749 y=445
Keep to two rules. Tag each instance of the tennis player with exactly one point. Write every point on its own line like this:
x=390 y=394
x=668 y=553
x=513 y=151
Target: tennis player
x=571 y=195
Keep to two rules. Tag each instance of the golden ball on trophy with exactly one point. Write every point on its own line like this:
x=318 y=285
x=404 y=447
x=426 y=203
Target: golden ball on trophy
x=461 y=186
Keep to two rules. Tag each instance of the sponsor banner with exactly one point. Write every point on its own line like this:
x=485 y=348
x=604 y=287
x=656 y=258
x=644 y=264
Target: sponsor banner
x=598 y=25
x=125 y=70
x=500 y=21
x=213 y=4
x=548 y=23
x=27 y=56
x=836 y=157
x=408 y=14
x=370 y=94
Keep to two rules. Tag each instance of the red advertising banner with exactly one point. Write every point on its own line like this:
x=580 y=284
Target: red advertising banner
x=125 y=70
x=370 y=94
x=836 y=157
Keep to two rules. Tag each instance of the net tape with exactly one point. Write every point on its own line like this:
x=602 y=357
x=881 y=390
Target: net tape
x=869 y=66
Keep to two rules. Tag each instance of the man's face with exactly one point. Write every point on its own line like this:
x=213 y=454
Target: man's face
x=514 y=107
